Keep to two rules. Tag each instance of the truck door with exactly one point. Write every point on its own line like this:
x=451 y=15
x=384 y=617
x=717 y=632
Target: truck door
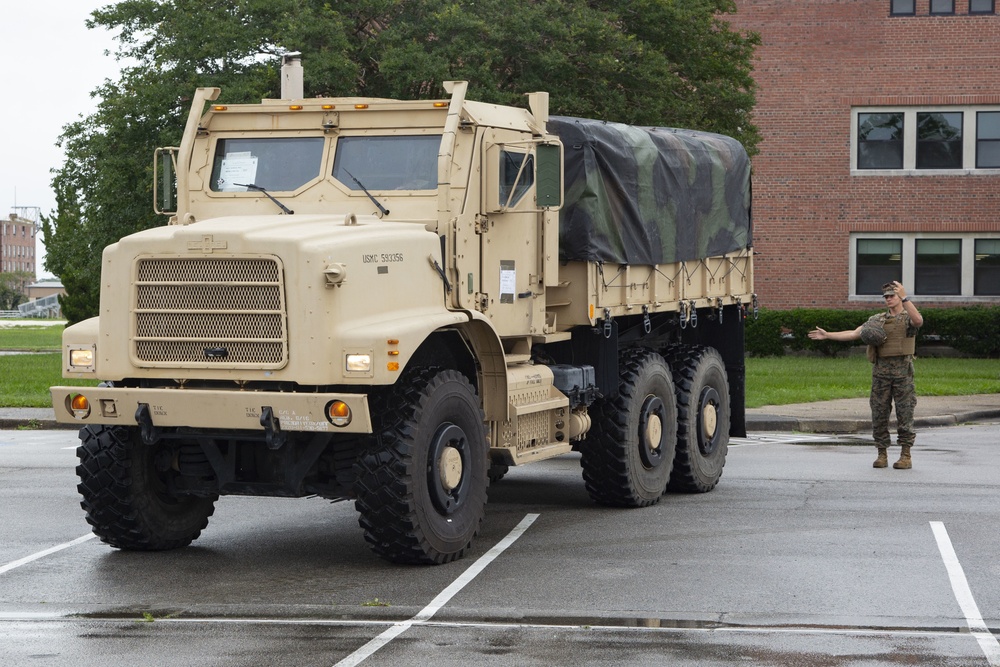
x=511 y=236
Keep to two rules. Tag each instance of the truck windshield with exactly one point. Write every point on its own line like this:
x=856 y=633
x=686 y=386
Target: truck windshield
x=388 y=163
x=273 y=163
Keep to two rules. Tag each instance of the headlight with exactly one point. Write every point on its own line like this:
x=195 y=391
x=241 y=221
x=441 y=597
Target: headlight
x=81 y=360
x=359 y=363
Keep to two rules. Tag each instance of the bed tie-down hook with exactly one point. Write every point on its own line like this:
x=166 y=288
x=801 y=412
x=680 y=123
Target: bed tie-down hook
x=647 y=326
x=719 y=306
x=694 y=314
x=607 y=323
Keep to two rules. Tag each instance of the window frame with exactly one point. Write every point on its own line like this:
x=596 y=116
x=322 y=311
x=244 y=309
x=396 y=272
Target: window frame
x=949 y=12
x=927 y=143
x=901 y=141
x=970 y=134
x=990 y=140
x=967 y=291
x=983 y=12
x=893 y=11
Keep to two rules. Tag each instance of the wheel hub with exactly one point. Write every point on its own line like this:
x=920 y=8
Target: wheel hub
x=651 y=432
x=450 y=468
x=708 y=419
x=446 y=478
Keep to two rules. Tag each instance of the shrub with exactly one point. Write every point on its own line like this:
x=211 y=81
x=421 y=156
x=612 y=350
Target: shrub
x=972 y=330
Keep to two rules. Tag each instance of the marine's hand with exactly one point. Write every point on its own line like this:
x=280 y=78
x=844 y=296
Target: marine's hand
x=899 y=289
x=818 y=334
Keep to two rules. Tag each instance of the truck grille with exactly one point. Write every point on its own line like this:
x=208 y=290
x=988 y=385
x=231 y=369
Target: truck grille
x=201 y=312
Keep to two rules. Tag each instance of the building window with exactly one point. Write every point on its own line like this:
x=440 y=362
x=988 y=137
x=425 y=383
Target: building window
x=988 y=140
x=925 y=141
x=880 y=141
x=903 y=7
x=942 y=7
x=987 y=267
x=937 y=267
x=958 y=266
x=939 y=140
x=982 y=6
x=879 y=261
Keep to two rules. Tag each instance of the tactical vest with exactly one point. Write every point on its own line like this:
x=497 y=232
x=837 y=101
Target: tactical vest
x=897 y=344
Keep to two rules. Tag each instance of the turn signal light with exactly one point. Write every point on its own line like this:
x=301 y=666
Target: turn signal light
x=339 y=413
x=79 y=405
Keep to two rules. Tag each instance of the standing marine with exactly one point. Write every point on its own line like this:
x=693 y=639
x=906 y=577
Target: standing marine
x=891 y=337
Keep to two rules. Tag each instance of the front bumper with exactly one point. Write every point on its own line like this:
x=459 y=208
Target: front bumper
x=209 y=408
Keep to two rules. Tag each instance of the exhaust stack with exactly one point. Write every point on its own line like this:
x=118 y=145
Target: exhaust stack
x=292 y=87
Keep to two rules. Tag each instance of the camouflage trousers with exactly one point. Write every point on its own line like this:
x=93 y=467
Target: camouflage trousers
x=895 y=386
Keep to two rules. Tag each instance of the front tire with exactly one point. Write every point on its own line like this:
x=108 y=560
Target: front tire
x=421 y=487
x=703 y=411
x=124 y=484
x=627 y=458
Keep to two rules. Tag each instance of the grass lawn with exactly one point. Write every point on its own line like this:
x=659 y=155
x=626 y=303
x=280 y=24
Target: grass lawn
x=25 y=378
x=783 y=380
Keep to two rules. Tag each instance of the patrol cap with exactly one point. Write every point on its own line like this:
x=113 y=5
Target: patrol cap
x=888 y=289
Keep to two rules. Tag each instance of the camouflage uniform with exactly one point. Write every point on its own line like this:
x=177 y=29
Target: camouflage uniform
x=892 y=381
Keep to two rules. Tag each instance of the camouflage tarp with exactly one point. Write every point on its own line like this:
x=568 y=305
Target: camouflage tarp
x=650 y=195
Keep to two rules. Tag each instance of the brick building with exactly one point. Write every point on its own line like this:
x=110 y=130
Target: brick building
x=881 y=150
x=17 y=245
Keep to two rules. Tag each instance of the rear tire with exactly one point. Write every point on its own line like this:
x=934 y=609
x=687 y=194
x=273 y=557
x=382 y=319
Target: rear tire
x=703 y=412
x=421 y=486
x=627 y=458
x=126 y=495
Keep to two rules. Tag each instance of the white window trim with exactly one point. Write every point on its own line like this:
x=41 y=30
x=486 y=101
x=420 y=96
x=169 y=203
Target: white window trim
x=909 y=260
x=910 y=141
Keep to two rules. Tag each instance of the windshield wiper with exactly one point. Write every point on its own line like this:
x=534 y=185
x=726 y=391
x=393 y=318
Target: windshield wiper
x=251 y=186
x=361 y=185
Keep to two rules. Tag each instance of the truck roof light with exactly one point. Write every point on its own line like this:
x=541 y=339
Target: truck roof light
x=220 y=107
x=328 y=107
x=360 y=106
x=295 y=107
x=440 y=105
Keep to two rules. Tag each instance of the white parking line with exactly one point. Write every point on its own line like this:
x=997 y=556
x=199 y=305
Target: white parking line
x=960 y=587
x=41 y=554
x=441 y=599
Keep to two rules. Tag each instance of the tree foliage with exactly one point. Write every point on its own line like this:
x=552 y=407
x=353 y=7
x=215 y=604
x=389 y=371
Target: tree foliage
x=12 y=287
x=645 y=62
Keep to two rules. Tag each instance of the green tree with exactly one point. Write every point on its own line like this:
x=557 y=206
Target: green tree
x=12 y=288
x=647 y=62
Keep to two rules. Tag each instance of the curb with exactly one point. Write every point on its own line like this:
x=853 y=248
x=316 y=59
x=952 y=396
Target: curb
x=783 y=423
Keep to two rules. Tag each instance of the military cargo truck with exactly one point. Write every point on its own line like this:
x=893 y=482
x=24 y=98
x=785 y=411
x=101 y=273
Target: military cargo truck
x=395 y=301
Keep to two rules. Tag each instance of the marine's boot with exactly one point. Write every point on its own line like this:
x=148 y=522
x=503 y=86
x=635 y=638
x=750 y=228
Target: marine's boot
x=883 y=459
x=904 y=462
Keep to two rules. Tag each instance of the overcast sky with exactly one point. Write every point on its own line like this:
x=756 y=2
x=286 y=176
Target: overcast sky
x=51 y=64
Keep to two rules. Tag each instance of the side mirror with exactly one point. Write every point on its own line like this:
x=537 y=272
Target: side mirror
x=165 y=181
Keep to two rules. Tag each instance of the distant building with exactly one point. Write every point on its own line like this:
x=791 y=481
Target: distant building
x=43 y=299
x=880 y=157
x=17 y=245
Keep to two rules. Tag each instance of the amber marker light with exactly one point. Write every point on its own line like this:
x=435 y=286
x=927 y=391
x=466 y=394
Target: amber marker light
x=79 y=406
x=392 y=366
x=328 y=107
x=220 y=107
x=295 y=107
x=339 y=413
x=360 y=106
x=440 y=105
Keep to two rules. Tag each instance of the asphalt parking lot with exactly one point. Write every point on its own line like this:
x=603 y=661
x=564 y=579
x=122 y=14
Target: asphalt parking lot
x=803 y=555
